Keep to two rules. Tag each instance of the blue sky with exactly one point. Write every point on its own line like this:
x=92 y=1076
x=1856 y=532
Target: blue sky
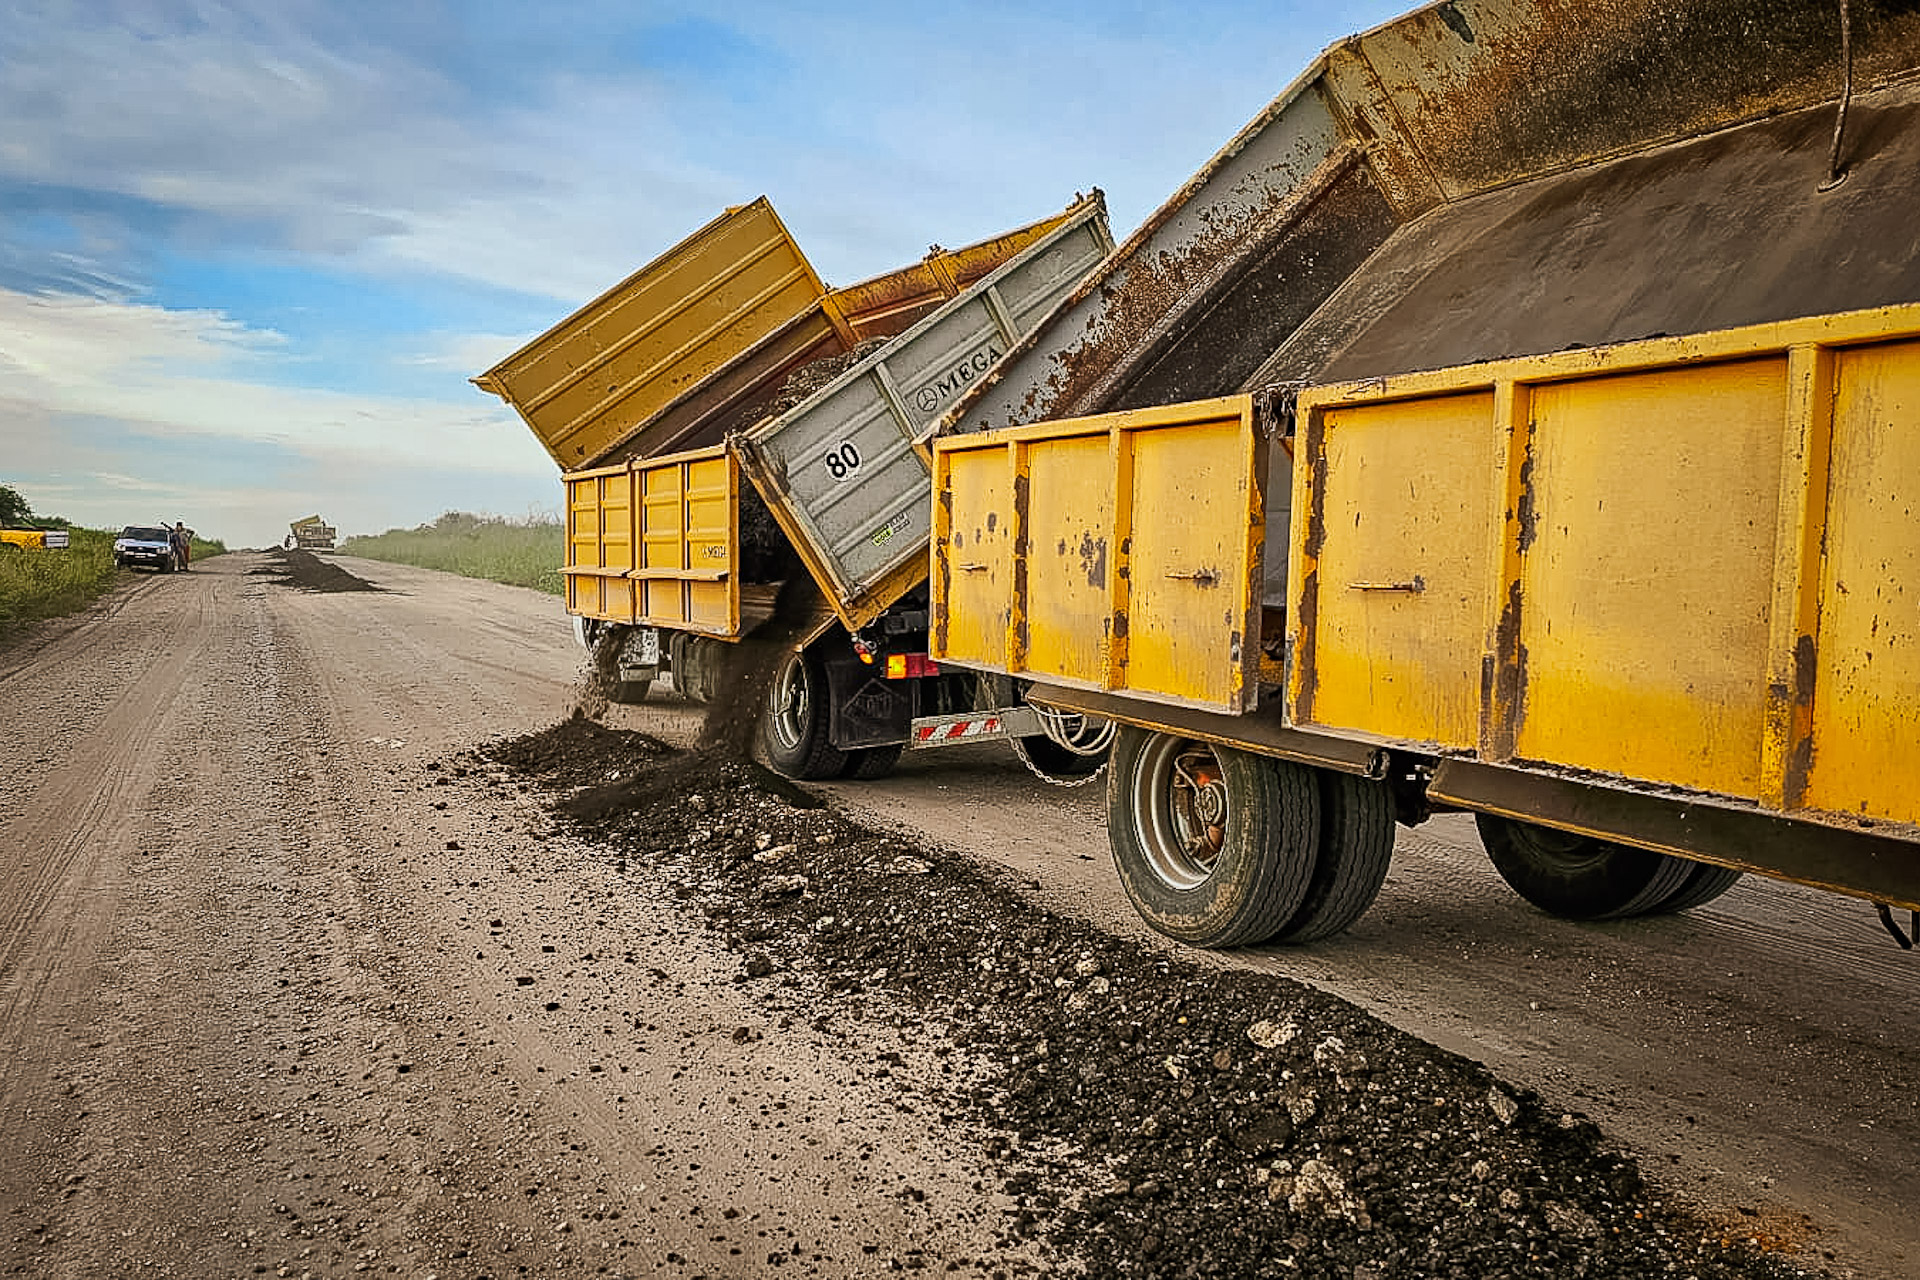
x=251 y=252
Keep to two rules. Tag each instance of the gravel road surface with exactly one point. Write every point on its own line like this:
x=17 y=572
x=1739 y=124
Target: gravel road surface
x=330 y=944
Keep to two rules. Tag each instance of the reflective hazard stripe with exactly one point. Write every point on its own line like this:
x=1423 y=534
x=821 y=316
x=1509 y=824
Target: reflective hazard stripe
x=956 y=730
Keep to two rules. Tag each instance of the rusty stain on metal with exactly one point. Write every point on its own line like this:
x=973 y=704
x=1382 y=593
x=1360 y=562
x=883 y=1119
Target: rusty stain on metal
x=1798 y=769
x=1093 y=558
x=1526 y=515
x=1510 y=678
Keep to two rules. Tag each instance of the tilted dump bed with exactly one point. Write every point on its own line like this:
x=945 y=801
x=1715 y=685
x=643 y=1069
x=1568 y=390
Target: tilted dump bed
x=842 y=471
x=1480 y=180
x=1548 y=562
x=685 y=348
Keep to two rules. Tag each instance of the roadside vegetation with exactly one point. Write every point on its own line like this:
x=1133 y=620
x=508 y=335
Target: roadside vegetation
x=521 y=553
x=37 y=584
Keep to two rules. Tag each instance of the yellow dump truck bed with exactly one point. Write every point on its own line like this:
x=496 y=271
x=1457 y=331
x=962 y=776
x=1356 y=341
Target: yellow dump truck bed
x=1681 y=562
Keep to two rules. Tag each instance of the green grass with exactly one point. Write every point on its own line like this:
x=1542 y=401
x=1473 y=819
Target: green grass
x=36 y=584
x=521 y=553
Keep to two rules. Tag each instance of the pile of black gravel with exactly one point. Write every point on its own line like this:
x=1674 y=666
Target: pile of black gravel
x=1151 y=1115
x=306 y=571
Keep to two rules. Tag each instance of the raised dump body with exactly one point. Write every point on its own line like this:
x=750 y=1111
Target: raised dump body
x=311 y=533
x=842 y=471
x=687 y=347
x=1482 y=180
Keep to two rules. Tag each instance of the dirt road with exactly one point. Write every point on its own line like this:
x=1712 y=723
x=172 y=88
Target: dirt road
x=291 y=985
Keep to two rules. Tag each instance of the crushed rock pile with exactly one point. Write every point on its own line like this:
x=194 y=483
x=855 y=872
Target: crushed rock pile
x=1150 y=1115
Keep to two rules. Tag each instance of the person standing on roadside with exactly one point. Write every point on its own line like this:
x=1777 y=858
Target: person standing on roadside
x=182 y=543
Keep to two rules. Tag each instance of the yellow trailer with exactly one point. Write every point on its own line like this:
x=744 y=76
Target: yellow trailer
x=1647 y=609
x=43 y=539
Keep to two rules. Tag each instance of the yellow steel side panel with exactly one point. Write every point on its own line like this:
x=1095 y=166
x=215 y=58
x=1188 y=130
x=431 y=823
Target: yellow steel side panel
x=599 y=544
x=1866 y=712
x=973 y=559
x=663 y=544
x=1069 y=560
x=1406 y=569
x=1649 y=579
x=1188 y=558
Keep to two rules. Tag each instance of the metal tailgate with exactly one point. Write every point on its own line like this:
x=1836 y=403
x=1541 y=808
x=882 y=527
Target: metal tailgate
x=1119 y=553
x=841 y=471
x=657 y=543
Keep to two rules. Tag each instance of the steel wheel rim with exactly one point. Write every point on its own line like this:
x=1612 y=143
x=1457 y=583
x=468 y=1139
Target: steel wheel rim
x=790 y=707
x=1181 y=808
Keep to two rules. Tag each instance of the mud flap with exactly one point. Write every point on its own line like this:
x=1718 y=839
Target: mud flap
x=868 y=710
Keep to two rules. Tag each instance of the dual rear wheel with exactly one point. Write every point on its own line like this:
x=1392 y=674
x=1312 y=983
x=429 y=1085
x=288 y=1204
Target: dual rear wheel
x=1580 y=877
x=1219 y=847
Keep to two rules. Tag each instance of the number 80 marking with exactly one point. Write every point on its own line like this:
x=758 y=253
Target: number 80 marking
x=843 y=461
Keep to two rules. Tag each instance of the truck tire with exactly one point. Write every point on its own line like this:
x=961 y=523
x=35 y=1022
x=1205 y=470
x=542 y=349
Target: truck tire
x=1702 y=885
x=868 y=763
x=794 y=726
x=1580 y=877
x=1356 y=844
x=1214 y=846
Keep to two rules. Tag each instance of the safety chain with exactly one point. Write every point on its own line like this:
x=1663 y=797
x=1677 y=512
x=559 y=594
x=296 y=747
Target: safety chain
x=1020 y=750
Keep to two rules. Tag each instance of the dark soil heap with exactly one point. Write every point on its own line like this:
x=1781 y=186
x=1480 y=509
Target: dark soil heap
x=308 y=572
x=1151 y=1116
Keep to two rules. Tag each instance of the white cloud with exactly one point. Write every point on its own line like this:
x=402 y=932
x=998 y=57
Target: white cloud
x=201 y=374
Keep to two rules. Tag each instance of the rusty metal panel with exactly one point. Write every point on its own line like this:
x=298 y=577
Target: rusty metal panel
x=974 y=516
x=1702 y=565
x=1119 y=552
x=1400 y=567
x=841 y=472
x=1069 y=557
x=689 y=542
x=594 y=378
x=1866 y=705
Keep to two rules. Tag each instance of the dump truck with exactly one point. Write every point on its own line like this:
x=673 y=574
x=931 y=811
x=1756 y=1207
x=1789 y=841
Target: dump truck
x=687 y=551
x=310 y=533
x=1519 y=417
x=653 y=397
